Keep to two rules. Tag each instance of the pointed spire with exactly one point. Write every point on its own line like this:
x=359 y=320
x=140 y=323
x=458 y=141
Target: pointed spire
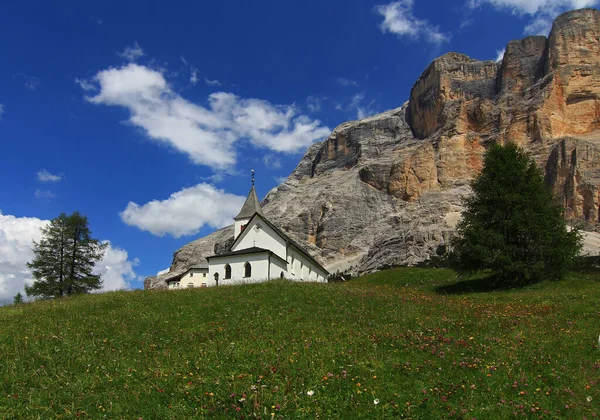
x=251 y=205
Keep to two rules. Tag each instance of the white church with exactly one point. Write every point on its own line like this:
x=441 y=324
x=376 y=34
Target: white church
x=260 y=252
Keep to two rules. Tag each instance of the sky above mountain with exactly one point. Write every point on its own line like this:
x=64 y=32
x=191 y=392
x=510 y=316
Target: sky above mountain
x=148 y=116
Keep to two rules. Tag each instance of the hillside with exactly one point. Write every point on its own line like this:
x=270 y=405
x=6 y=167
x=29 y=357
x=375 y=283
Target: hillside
x=405 y=342
x=387 y=190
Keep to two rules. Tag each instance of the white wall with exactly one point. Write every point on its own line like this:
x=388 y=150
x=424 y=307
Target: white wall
x=197 y=277
x=262 y=236
x=278 y=266
x=237 y=226
x=303 y=269
x=259 y=263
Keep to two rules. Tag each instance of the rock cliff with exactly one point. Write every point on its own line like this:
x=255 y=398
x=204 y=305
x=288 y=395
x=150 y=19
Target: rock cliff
x=387 y=190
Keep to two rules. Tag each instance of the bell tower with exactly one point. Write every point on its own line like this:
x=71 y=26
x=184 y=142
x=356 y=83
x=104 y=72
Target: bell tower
x=249 y=209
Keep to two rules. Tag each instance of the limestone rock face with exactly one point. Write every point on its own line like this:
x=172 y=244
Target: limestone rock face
x=573 y=171
x=387 y=190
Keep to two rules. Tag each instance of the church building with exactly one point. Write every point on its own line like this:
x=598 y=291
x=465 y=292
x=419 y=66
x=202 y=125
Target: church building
x=260 y=251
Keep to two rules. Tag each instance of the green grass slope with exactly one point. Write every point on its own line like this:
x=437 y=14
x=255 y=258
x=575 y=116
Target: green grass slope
x=400 y=343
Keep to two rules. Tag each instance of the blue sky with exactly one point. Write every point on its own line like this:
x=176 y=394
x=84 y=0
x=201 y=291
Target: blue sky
x=148 y=116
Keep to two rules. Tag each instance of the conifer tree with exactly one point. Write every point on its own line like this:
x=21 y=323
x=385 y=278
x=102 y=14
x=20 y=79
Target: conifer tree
x=18 y=299
x=64 y=258
x=511 y=226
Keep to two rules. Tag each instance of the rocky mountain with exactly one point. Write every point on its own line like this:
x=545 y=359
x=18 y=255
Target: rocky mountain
x=387 y=190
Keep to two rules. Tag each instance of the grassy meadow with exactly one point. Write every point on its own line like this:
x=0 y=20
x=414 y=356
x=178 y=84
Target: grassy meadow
x=408 y=343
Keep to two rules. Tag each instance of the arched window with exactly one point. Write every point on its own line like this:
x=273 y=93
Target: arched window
x=227 y=272
x=247 y=270
x=281 y=275
x=217 y=279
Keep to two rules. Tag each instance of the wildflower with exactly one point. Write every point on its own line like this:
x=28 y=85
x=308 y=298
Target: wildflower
x=310 y=393
x=376 y=401
x=589 y=398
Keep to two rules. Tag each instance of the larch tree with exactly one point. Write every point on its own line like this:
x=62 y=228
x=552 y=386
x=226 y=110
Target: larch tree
x=64 y=258
x=511 y=227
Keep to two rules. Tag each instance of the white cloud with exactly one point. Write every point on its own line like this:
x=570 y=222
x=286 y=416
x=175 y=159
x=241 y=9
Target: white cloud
x=85 y=84
x=313 y=103
x=347 y=82
x=1 y=110
x=193 y=71
x=45 y=176
x=32 y=83
x=212 y=82
x=206 y=134
x=271 y=161
x=541 y=25
x=115 y=269
x=184 y=212
x=165 y=271
x=398 y=18
x=362 y=110
x=542 y=12
x=194 y=77
x=16 y=239
x=132 y=53
x=500 y=55
x=39 y=193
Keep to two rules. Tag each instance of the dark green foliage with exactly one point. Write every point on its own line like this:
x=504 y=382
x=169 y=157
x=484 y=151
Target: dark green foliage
x=511 y=226
x=64 y=258
x=18 y=299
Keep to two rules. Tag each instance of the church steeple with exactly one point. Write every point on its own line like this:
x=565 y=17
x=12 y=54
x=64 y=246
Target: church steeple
x=251 y=205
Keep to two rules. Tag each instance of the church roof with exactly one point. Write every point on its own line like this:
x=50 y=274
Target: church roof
x=284 y=236
x=252 y=250
x=250 y=207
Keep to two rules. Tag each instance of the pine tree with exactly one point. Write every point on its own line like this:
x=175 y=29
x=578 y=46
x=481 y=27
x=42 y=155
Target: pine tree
x=18 y=299
x=511 y=227
x=64 y=258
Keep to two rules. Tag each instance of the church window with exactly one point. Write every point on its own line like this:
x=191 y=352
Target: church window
x=203 y=274
x=243 y=227
x=203 y=285
x=190 y=285
x=247 y=270
x=227 y=271
x=191 y=274
x=281 y=275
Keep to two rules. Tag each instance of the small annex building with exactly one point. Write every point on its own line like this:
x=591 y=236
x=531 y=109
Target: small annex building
x=196 y=276
x=260 y=252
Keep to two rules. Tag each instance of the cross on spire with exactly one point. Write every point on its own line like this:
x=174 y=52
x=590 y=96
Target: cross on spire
x=253 y=177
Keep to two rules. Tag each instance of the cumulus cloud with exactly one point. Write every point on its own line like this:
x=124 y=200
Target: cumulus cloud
x=16 y=239
x=206 y=134
x=115 y=269
x=542 y=12
x=398 y=18
x=44 y=176
x=184 y=212
x=132 y=53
